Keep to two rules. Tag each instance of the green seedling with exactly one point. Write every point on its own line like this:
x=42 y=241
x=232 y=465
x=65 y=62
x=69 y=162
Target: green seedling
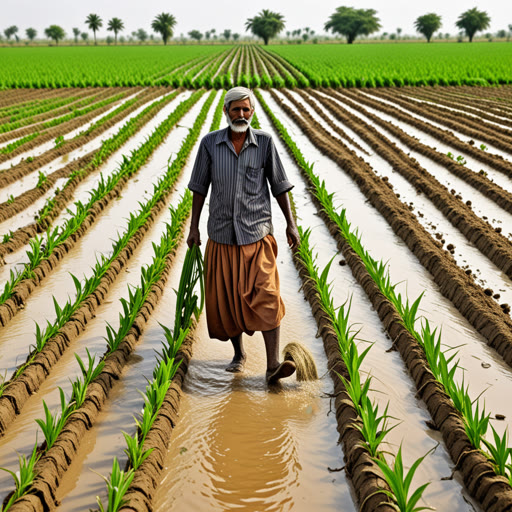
x=42 y=179
x=483 y=147
x=134 y=450
x=461 y=160
x=52 y=425
x=117 y=486
x=24 y=477
x=6 y=237
x=400 y=484
x=475 y=422
x=59 y=141
x=499 y=452
x=10 y=199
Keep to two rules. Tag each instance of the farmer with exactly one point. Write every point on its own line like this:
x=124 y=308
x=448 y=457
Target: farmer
x=241 y=279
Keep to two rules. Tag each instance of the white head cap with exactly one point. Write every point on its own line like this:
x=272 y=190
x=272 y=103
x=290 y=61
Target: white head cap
x=239 y=93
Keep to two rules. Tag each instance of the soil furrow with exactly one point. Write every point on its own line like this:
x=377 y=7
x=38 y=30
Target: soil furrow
x=22 y=290
x=495 y=161
x=499 y=195
x=14 y=97
x=18 y=390
x=139 y=496
x=61 y=129
x=461 y=123
x=440 y=100
x=480 y=310
x=480 y=233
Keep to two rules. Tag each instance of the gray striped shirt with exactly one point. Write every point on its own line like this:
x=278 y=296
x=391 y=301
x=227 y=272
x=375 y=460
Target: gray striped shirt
x=240 y=202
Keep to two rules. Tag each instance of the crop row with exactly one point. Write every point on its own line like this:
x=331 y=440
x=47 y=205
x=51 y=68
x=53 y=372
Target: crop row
x=75 y=171
x=464 y=430
x=468 y=297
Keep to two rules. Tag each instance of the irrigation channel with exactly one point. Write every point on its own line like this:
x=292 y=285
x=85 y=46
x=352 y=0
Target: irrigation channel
x=428 y=190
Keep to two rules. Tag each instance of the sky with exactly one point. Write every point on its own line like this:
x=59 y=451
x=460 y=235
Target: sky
x=229 y=14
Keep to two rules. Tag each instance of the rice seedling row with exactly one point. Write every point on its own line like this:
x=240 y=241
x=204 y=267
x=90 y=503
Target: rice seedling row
x=399 y=317
x=497 y=136
x=478 y=180
x=76 y=170
x=79 y=169
x=492 y=160
x=51 y=111
x=72 y=318
x=493 y=245
x=469 y=298
x=62 y=435
x=43 y=258
x=49 y=129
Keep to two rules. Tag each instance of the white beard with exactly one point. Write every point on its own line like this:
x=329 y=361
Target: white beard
x=238 y=126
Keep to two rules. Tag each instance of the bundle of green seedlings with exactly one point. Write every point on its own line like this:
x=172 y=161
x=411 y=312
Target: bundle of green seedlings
x=135 y=221
x=443 y=367
x=40 y=251
x=373 y=426
x=187 y=305
x=53 y=423
x=106 y=149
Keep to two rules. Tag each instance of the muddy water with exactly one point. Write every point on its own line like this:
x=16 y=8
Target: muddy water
x=69 y=135
x=488 y=275
x=109 y=167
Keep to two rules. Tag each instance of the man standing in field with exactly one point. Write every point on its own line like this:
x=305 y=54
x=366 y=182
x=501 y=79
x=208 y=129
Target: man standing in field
x=241 y=279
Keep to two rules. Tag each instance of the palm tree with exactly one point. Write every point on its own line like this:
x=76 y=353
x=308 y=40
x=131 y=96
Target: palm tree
x=472 y=21
x=94 y=22
x=266 y=24
x=115 y=25
x=164 y=24
x=76 y=33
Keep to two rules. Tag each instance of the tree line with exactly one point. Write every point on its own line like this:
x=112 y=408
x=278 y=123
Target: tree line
x=348 y=22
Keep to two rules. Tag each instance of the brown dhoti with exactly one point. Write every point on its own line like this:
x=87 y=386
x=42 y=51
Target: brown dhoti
x=242 y=288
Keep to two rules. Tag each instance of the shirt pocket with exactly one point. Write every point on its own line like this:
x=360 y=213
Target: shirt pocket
x=254 y=179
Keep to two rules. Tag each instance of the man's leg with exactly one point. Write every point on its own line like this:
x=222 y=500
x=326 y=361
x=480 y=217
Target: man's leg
x=275 y=370
x=238 y=362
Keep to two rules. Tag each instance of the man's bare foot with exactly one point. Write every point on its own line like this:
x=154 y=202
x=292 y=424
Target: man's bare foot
x=237 y=365
x=285 y=369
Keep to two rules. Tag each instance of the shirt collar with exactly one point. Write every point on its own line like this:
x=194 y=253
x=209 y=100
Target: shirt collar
x=250 y=139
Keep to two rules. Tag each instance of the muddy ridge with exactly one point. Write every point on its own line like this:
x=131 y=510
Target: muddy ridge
x=8 y=176
x=502 y=197
x=469 y=298
x=497 y=162
x=28 y=197
x=366 y=476
x=22 y=235
x=480 y=233
x=18 y=390
x=13 y=97
x=48 y=134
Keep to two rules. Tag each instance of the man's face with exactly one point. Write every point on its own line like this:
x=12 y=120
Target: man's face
x=239 y=115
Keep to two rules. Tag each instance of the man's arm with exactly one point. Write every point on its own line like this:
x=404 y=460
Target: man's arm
x=292 y=233
x=197 y=206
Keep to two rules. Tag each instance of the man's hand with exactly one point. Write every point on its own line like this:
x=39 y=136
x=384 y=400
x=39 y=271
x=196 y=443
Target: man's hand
x=193 y=237
x=292 y=234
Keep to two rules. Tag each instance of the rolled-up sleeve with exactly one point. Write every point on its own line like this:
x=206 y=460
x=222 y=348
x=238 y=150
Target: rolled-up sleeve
x=275 y=172
x=201 y=173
